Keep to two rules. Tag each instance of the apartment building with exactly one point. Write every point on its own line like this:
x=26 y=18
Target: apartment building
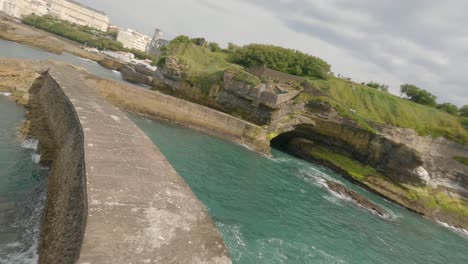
x=132 y=39
x=64 y=9
x=21 y=8
x=78 y=13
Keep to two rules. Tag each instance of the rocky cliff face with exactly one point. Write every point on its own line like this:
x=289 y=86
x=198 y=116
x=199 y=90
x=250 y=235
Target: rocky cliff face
x=259 y=103
x=414 y=171
x=439 y=167
x=397 y=161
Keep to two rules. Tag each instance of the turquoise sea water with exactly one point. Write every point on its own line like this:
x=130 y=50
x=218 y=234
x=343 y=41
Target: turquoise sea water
x=277 y=209
x=269 y=209
x=22 y=185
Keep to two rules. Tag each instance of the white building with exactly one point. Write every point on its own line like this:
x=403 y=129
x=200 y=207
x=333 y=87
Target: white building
x=79 y=14
x=132 y=39
x=63 y=9
x=21 y=8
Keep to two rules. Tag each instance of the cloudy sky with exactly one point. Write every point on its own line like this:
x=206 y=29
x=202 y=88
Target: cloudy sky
x=424 y=42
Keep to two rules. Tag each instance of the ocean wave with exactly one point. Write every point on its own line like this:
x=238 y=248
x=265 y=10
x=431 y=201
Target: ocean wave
x=332 y=199
x=455 y=229
x=275 y=250
x=36 y=158
x=327 y=257
x=5 y=93
x=317 y=176
x=25 y=251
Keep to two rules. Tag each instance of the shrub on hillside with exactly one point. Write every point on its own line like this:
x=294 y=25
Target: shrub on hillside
x=448 y=107
x=213 y=46
x=464 y=111
x=281 y=59
x=378 y=86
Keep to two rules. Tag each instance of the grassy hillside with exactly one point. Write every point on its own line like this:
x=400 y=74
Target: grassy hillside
x=205 y=67
x=385 y=108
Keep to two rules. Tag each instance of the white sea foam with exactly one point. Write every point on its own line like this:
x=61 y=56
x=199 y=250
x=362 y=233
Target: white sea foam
x=88 y=60
x=457 y=230
x=311 y=173
x=16 y=253
x=36 y=158
x=329 y=258
x=332 y=199
x=5 y=93
x=336 y=197
x=30 y=144
x=247 y=147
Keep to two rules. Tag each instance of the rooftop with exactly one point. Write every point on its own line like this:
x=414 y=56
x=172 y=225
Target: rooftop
x=87 y=7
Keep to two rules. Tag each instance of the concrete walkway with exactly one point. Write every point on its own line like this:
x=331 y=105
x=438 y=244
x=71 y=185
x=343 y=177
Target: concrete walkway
x=139 y=209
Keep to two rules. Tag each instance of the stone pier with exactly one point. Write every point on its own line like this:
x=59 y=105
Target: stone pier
x=114 y=198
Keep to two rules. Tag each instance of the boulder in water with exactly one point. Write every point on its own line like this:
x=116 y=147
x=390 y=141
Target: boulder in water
x=356 y=197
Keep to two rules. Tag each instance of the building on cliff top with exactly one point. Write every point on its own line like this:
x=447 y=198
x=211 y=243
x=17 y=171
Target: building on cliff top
x=132 y=39
x=157 y=42
x=63 y=9
x=79 y=14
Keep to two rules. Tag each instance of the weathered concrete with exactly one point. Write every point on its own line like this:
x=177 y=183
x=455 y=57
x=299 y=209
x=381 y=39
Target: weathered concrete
x=139 y=210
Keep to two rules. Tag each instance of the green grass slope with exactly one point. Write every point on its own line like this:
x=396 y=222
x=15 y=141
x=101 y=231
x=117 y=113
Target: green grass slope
x=384 y=108
x=205 y=67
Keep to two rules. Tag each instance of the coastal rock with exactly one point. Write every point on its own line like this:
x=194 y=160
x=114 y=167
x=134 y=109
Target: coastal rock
x=137 y=74
x=173 y=69
x=111 y=64
x=356 y=197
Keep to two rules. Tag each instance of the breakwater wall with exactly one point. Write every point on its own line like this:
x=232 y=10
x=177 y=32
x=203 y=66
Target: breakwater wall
x=65 y=213
x=113 y=197
x=167 y=107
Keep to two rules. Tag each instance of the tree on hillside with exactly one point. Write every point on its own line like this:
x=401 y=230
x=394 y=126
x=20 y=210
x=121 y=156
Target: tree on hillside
x=418 y=95
x=448 y=107
x=378 y=86
x=232 y=47
x=464 y=111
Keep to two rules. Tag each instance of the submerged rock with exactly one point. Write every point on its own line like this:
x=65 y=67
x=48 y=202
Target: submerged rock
x=356 y=197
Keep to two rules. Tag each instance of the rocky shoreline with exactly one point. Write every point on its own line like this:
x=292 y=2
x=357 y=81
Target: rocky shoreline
x=417 y=172
x=411 y=163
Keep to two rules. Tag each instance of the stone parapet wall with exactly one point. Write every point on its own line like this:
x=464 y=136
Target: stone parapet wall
x=65 y=211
